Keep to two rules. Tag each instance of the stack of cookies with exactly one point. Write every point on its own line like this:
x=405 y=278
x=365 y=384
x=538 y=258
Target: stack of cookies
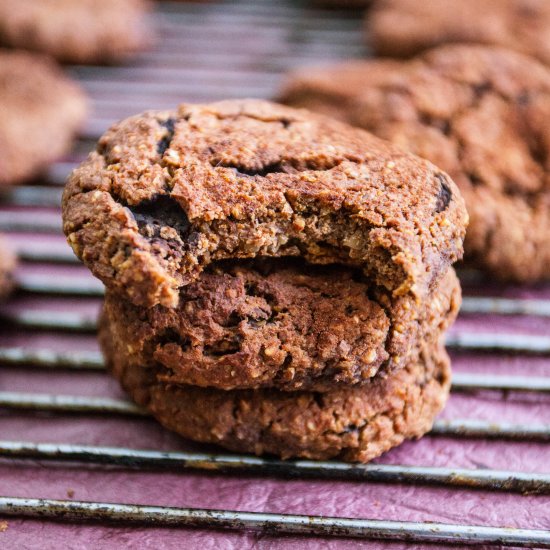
x=277 y=282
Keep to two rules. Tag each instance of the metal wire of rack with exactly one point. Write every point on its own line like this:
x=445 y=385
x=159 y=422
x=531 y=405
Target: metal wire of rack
x=80 y=423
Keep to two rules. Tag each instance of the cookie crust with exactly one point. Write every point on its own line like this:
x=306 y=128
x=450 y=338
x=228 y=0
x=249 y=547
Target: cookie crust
x=477 y=112
x=166 y=194
x=40 y=111
x=403 y=28
x=83 y=31
x=294 y=327
x=354 y=424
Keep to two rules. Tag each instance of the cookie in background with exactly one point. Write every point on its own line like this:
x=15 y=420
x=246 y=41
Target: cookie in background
x=41 y=110
x=478 y=112
x=402 y=28
x=77 y=31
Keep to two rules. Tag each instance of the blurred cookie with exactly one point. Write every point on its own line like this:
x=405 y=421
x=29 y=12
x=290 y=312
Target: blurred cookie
x=352 y=423
x=167 y=193
x=8 y=264
x=402 y=28
x=40 y=111
x=284 y=325
x=76 y=31
x=479 y=113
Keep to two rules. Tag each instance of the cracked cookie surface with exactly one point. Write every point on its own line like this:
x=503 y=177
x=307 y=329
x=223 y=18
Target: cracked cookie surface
x=479 y=113
x=82 y=31
x=402 y=28
x=280 y=324
x=355 y=423
x=40 y=111
x=167 y=193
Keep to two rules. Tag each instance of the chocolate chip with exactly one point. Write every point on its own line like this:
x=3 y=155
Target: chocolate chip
x=523 y=99
x=224 y=346
x=284 y=166
x=164 y=143
x=481 y=89
x=162 y=211
x=475 y=180
x=273 y=168
x=445 y=194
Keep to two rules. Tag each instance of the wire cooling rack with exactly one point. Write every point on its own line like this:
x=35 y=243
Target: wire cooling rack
x=75 y=452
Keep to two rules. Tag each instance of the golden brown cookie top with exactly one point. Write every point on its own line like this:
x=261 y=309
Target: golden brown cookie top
x=167 y=193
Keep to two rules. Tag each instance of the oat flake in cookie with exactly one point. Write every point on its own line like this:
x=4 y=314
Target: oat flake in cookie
x=402 y=28
x=352 y=423
x=165 y=194
x=479 y=113
x=40 y=111
x=76 y=31
x=280 y=324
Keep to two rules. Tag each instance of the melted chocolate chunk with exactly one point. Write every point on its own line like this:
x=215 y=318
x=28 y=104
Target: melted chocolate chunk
x=444 y=196
x=163 y=211
x=283 y=166
x=164 y=143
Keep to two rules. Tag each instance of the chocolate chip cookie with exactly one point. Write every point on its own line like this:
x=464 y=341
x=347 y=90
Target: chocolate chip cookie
x=355 y=423
x=280 y=324
x=479 y=113
x=40 y=111
x=165 y=194
x=402 y=28
x=82 y=31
